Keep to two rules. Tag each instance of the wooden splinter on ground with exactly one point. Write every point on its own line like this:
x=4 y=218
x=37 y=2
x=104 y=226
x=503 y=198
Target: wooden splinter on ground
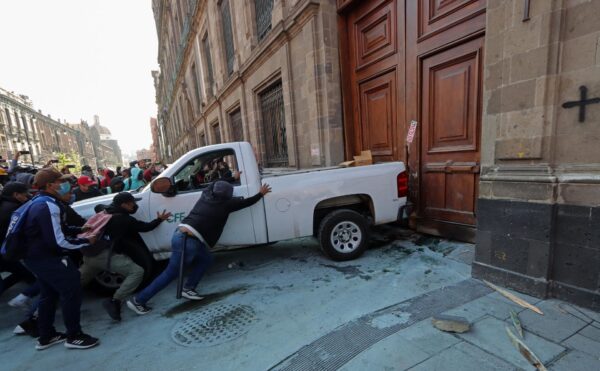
x=525 y=351
x=514 y=298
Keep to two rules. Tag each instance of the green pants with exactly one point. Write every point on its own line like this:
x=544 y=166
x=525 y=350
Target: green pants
x=120 y=264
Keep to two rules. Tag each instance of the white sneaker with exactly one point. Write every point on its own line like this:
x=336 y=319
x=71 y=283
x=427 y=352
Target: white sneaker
x=19 y=330
x=191 y=294
x=20 y=301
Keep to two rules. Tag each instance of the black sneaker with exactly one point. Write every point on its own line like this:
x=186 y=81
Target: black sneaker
x=81 y=341
x=28 y=327
x=113 y=307
x=56 y=339
x=139 y=308
x=191 y=294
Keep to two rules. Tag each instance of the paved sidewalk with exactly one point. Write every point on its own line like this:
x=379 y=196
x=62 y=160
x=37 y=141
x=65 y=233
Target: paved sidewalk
x=287 y=307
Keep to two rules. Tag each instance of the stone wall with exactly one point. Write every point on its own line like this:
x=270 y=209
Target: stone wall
x=300 y=50
x=538 y=212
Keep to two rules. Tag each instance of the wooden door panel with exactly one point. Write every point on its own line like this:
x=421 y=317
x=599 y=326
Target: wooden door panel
x=375 y=35
x=450 y=113
x=378 y=115
x=436 y=16
x=451 y=86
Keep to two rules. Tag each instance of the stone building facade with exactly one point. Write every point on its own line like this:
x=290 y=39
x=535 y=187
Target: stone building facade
x=263 y=71
x=24 y=128
x=155 y=147
x=538 y=222
x=18 y=129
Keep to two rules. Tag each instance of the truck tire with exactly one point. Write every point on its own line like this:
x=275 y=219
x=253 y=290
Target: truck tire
x=343 y=234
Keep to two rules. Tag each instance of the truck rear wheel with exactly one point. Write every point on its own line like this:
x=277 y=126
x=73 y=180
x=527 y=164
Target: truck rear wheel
x=343 y=234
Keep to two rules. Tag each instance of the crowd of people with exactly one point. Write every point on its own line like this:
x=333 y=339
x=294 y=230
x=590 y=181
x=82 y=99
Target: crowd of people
x=56 y=252
x=88 y=184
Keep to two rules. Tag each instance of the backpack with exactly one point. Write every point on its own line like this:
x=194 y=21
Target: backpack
x=14 y=247
x=97 y=224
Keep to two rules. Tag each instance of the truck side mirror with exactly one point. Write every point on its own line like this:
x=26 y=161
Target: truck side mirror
x=162 y=185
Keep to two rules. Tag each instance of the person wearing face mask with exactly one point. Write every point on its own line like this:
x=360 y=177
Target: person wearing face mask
x=48 y=235
x=120 y=230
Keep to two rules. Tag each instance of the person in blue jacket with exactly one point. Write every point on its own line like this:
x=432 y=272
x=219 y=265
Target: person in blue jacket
x=47 y=237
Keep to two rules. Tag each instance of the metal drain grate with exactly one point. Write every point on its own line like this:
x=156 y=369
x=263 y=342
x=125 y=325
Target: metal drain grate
x=214 y=325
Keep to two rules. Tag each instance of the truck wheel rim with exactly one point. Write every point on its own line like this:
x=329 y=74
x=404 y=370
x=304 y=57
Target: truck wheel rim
x=109 y=279
x=346 y=237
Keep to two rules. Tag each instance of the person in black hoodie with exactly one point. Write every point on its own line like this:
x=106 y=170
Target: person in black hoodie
x=14 y=194
x=198 y=231
x=119 y=230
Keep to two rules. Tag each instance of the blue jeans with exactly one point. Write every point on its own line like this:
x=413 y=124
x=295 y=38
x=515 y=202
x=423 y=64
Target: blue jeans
x=196 y=255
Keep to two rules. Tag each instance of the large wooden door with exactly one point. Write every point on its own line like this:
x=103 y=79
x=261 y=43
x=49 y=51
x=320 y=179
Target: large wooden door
x=374 y=79
x=444 y=59
x=450 y=117
x=421 y=60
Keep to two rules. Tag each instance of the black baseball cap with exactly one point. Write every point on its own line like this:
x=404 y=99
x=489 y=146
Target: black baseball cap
x=123 y=198
x=14 y=187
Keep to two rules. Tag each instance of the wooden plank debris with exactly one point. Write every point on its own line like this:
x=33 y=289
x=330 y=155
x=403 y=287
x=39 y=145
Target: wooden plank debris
x=514 y=298
x=516 y=322
x=525 y=351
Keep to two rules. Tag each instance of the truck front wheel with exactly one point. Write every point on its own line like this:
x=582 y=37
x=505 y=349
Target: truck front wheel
x=343 y=234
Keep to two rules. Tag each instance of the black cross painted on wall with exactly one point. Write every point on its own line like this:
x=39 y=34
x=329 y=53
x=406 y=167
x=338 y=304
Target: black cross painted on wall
x=584 y=101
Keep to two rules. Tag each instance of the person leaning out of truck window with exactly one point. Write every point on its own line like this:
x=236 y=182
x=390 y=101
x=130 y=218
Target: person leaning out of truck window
x=198 y=232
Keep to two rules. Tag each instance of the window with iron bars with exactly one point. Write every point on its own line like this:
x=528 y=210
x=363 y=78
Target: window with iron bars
x=216 y=133
x=263 y=10
x=197 y=88
x=237 y=130
x=227 y=34
x=273 y=126
x=209 y=67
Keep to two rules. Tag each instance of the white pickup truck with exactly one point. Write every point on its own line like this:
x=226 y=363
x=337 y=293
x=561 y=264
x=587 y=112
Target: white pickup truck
x=337 y=205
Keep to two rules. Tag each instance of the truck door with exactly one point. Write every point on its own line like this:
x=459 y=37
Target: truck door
x=190 y=180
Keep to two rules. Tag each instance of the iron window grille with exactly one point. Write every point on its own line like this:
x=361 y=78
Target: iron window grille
x=273 y=126
x=197 y=89
x=237 y=130
x=216 y=133
x=263 y=10
x=227 y=34
x=209 y=67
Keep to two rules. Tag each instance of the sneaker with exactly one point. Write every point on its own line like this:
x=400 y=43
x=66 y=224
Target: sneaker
x=113 y=307
x=139 y=308
x=20 y=301
x=191 y=294
x=28 y=327
x=19 y=330
x=81 y=341
x=56 y=339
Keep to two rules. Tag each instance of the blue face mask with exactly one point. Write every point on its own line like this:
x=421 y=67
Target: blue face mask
x=64 y=188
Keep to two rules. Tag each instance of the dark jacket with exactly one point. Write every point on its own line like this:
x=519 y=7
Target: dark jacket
x=209 y=215
x=80 y=195
x=122 y=226
x=7 y=206
x=47 y=233
x=72 y=217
